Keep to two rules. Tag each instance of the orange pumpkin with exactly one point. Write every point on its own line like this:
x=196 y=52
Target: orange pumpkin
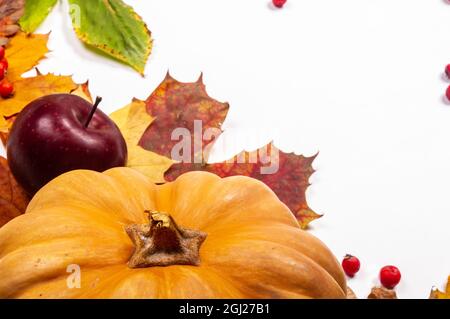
x=201 y=236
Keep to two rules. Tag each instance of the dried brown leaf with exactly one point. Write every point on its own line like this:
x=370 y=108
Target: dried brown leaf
x=382 y=293
x=10 y=13
x=13 y=199
x=351 y=294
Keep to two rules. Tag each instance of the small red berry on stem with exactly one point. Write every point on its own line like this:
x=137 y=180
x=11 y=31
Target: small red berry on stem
x=279 y=3
x=351 y=265
x=6 y=89
x=447 y=70
x=2 y=52
x=447 y=93
x=5 y=63
x=390 y=276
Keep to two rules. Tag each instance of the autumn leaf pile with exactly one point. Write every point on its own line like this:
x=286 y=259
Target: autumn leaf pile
x=147 y=127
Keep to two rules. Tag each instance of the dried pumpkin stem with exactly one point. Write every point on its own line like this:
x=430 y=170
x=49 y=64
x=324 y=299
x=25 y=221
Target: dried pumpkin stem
x=163 y=243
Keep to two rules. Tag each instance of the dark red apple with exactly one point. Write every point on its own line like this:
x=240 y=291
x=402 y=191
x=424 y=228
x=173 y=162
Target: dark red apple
x=59 y=133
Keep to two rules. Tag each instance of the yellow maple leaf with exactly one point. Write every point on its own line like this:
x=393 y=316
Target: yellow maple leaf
x=4 y=126
x=24 y=52
x=29 y=89
x=436 y=294
x=132 y=121
x=82 y=91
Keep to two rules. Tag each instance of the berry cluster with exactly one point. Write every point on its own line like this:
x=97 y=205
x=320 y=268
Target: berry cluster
x=447 y=73
x=389 y=275
x=6 y=88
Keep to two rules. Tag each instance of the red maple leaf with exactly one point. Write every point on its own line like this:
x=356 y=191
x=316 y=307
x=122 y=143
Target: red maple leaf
x=183 y=107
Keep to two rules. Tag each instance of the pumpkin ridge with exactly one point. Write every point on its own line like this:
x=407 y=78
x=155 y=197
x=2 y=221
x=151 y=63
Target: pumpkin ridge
x=247 y=257
x=173 y=198
x=30 y=291
x=181 y=282
x=95 y=228
x=32 y=268
x=86 y=213
x=116 y=186
x=228 y=280
x=105 y=286
x=206 y=205
x=33 y=275
x=282 y=234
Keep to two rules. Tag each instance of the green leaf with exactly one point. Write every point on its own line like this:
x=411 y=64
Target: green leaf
x=114 y=28
x=35 y=13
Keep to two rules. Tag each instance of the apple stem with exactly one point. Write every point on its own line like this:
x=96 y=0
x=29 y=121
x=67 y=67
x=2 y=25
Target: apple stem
x=98 y=100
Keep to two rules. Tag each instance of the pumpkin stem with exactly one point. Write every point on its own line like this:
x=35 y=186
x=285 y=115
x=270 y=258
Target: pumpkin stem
x=163 y=243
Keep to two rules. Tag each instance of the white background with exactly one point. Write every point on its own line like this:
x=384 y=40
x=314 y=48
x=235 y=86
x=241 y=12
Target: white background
x=358 y=80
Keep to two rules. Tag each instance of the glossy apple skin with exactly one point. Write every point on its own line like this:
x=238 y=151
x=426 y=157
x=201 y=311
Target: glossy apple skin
x=49 y=138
